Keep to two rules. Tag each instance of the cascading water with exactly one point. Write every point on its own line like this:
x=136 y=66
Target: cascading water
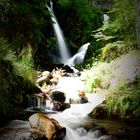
x=75 y=117
x=63 y=49
x=79 y=56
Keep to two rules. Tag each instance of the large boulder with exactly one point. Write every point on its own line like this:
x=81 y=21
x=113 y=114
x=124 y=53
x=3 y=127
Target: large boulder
x=47 y=126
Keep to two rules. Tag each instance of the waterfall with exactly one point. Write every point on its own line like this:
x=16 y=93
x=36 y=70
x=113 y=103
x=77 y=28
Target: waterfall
x=63 y=49
x=78 y=58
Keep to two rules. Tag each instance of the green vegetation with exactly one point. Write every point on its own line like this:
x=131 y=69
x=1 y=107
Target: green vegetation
x=117 y=35
x=27 y=41
x=17 y=79
x=22 y=21
x=25 y=66
x=78 y=20
x=114 y=67
x=120 y=80
x=23 y=63
x=113 y=75
x=125 y=101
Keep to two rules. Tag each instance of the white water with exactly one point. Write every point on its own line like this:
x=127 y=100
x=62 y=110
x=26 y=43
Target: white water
x=78 y=58
x=75 y=118
x=77 y=114
x=63 y=48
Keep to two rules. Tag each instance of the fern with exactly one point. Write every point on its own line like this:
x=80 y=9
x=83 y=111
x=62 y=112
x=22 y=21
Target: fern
x=125 y=101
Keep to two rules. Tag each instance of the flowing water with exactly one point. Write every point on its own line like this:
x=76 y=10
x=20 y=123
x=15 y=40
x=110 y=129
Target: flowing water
x=78 y=125
x=75 y=120
x=63 y=49
x=76 y=117
x=78 y=58
x=65 y=54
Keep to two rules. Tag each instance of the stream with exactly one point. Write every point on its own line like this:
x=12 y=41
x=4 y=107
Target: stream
x=79 y=126
x=75 y=119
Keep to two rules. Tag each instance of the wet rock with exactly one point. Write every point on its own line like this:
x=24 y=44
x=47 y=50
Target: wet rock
x=65 y=106
x=60 y=106
x=68 y=69
x=49 y=127
x=58 y=96
x=58 y=101
x=99 y=112
x=44 y=78
x=83 y=98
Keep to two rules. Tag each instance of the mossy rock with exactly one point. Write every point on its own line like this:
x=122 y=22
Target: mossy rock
x=13 y=89
x=99 y=112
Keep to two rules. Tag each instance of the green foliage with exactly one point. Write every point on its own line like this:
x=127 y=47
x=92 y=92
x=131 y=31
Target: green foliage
x=98 y=76
x=78 y=19
x=114 y=74
x=124 y=15
x=94 y=83
x=113 y=50
x=5 y=52
x=25 y=65
x=125 y=101
x=4 y=47
x=117 y=35
x=22 y=22
x=13 y=87
x=64 y=3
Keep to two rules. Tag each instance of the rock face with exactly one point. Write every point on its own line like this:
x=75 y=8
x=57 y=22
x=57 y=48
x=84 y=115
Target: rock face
x=48 y=127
